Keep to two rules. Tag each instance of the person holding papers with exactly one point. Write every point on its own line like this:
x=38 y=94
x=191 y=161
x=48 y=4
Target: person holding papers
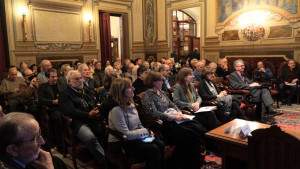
x=124 y=118
x=186 y=135
x=186 y=97
x=228 y=108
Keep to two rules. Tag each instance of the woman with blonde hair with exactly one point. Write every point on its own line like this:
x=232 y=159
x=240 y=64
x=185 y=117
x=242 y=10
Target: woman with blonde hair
x=186 y=97
x=124 y=118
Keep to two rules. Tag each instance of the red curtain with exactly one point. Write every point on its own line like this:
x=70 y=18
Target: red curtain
x=2 y=50
x=105 y=36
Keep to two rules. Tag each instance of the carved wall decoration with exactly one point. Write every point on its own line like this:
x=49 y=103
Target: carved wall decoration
x=280 y=31
x=58 y=46
x=150 y=28
x=230 y=35
x=253 y=33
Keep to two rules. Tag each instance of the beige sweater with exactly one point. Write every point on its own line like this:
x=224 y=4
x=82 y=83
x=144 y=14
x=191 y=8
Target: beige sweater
x=7 y=86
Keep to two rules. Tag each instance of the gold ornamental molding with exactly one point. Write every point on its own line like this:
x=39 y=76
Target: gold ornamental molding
x=58 y=46
x=212 y=40
x=73 y=5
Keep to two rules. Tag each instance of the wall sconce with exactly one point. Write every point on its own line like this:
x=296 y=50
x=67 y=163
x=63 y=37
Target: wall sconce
x=23 y=11
x=88 y=17
x=251 y=24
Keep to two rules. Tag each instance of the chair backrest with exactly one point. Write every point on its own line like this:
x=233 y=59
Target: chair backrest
x=273 y=148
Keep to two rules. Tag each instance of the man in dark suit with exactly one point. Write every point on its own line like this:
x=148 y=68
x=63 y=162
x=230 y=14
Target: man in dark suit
x=99 y=73
x=62 y=81
x=289 y=78
x=48 y=96
x=81 y=107
x=21 y=141
x=89 y=84
x=261 y=96
x=193 y=55
x=167 y=83
x=138 y=84
x=222 y=69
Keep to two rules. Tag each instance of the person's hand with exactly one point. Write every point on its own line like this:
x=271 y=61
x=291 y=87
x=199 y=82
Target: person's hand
x=44 y=160
x=254 y=84
x=195 y=106
x=33 y=82
x=262 y=69
x=55 y=101
x=224 y=93
x=151 y=134
x=286 y=83
x=225 y=67
x=221 y=94
x=15 y=90
x=93 y=114
x=295 y=80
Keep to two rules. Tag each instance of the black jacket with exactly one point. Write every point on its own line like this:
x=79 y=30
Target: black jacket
x=204 y=91
x=285 y=74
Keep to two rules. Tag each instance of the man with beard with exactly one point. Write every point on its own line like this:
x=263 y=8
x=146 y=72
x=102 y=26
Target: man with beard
x=79 y=106
x=48 y=97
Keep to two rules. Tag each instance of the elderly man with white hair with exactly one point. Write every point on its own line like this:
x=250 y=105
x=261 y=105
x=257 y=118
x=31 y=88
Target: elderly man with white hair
x=44 y=65
x=89 y=84
x=81 y=107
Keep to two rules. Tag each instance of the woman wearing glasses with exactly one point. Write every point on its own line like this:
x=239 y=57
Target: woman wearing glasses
x=228 y=108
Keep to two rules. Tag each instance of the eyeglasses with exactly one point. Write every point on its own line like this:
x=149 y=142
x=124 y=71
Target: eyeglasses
x=241 y=66
x=34 y=139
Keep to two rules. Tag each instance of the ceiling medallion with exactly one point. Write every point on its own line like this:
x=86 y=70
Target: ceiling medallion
x=253 y=33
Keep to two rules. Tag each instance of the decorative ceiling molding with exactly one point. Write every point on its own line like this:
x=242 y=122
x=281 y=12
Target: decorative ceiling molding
x=74 y=5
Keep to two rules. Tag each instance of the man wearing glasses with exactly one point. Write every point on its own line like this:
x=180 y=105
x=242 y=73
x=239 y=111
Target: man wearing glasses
x=260 y=95
x=21 y=141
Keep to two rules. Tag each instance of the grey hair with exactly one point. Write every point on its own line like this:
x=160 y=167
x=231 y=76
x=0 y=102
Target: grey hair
x=70 y=74
x=80 y=66
x=43 y=62
x=63 y=68
x=107 y=69
x=162 y=67
x=212 y=63
x=235 y=63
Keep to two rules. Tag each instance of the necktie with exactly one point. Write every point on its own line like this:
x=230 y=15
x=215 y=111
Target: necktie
x=244 y=79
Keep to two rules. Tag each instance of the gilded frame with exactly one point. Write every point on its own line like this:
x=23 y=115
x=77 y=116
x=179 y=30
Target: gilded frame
x=150 y=22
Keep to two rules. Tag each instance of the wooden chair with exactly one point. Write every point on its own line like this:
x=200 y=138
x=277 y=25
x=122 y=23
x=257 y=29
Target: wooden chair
x=273 y=148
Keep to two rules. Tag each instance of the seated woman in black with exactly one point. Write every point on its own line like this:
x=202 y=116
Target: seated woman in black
x=124 y=118
x=187 y=136
x=138 y=84
x=186 y=97
x=228 y=108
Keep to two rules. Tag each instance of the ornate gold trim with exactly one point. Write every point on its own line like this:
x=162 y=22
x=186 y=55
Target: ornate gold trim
x=148 y=42
x=266 y=7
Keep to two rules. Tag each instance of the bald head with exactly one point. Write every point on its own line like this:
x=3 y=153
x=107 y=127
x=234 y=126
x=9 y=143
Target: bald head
x=199 y=66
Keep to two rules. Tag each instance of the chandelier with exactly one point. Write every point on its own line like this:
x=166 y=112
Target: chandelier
x=251 y=24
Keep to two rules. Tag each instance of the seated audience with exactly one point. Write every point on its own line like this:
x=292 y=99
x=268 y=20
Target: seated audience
x=99 y=74
x=187 y=136
x=10 y=87
x=124 y=118
x=156 y=66
x=21 y=144
x=289 y=79
x=125 y=65
x=261 y=73
x=29 y=93
x=134 y=72
x=34 y=69
x=117 y=69
x=45 y=65
x=146 y=64
x=260 y=95
x=81 y=107
x=76 y=64
x=62 y=80
x=103 y=94
x=197 y=71
x=23 y=66
x=138 y=61
x=138 y=84
x=193 y=55
x=186 y=97
x=165 y=72
x=228 y=108
x=48 y=96
x=193 y=63
x=89 y=83
x=129 y=73
x=222 y=70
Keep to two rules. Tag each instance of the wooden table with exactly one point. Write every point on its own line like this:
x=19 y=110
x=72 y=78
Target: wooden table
x=233 y=148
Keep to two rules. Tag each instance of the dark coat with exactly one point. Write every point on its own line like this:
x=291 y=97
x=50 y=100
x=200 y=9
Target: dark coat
x=90 y=89
x=139 y=86
x=285 y=74
x=72 y=104
x=46 y=95
x=222 y=72
x=204 y=91
x=237 y=83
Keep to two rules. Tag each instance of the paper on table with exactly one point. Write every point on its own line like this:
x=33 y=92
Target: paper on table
x=206 y=108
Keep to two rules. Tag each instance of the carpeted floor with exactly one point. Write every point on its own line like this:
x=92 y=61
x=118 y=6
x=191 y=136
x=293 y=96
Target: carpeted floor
x=290 y=119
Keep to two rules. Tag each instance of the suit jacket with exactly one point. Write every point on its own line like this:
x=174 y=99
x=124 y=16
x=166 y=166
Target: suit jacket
x=11 y=164
x=180 y=98
x=222 y=72
x=197 y=75
x=46 y=95
x=71 y=103
x=62 y=83
x=237 y=83
x=90 y=89
x=285 y=74
x=204 y=91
